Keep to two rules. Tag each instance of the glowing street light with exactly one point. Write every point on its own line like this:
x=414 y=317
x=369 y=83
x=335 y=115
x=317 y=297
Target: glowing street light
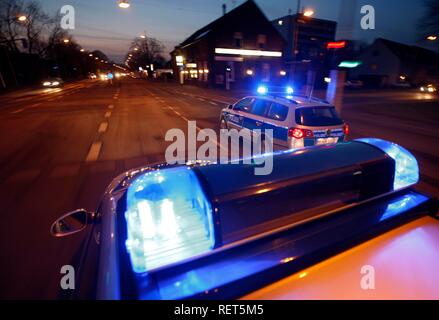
x=66 y=41
x=432 y=38
x=142 y=36
x=124 y=4
x=82 y=50
x=22 y=18
x=135 y=49
x=308 y=13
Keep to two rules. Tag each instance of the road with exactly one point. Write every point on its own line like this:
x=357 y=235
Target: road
x=60 y=148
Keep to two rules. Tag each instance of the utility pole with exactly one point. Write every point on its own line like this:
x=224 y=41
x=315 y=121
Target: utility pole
x=295 y=41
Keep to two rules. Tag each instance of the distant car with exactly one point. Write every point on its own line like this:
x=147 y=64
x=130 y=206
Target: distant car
x=353 y=84
x=430 y=88
x=92 y=76
x=53 y=83
x=296 y=121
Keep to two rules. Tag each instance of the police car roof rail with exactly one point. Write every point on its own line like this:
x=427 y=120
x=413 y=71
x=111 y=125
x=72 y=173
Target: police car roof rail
x=312 y=98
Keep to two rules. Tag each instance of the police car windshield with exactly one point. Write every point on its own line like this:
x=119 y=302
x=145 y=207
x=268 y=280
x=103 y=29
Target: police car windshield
x=318 y=116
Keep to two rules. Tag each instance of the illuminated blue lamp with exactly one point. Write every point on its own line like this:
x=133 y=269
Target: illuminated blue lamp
x=403 y=204
x=169 y=219
x=406 y=165
x=290 y=90
x=262 y=90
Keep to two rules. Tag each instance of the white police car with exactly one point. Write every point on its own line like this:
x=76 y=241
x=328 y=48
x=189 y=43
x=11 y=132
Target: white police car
x=296 y=121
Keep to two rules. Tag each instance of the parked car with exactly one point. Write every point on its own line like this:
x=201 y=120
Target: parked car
x=353 y=84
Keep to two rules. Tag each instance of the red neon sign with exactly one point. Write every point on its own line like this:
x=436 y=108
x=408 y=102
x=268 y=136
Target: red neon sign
x=336 y=45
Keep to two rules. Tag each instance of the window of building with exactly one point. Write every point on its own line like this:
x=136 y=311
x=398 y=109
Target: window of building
x=265 y=72
x=262 y=41
x=238 y=39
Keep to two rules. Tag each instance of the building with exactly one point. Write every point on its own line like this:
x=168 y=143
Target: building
x=306 y=54
x=238 y=50
x=389 y=63
x=305 y=36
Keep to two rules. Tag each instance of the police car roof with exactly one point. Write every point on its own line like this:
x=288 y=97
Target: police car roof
x=295 y=100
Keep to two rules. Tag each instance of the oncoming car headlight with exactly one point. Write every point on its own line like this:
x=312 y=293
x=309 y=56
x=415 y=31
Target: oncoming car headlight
x=169 y=219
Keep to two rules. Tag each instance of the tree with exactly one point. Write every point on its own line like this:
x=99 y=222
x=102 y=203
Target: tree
x=429 y=23
x=146 y=51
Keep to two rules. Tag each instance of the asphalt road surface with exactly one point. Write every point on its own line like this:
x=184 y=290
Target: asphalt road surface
x=60 y=148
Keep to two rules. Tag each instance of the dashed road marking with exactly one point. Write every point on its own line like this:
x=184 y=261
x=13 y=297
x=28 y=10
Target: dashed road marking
x=213 y=103
x=93 y=153
x=103 y=127
x=107 y=114
x=111 y=106
x=29 y=107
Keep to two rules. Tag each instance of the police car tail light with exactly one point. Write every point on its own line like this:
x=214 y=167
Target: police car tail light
x=406 y=165
x=300 y=133
x=169 y=219
x=346 y=129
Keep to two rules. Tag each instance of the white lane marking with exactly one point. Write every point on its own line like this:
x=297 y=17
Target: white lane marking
x=111 y=106
x=93 y=153
x=213 y=103
x=107 y=114
x=201 y=99
x=103 y=127
x=29 y=107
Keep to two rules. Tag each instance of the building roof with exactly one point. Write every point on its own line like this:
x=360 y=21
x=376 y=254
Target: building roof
x=206 y=30
x=407 y=53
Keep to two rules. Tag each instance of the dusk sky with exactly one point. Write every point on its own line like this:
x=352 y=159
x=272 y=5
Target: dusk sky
x=103 y=25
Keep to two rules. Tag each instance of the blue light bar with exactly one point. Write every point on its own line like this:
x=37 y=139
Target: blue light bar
x=290 y=90
x=406 y=166
x=262 y=90
x=169 y=219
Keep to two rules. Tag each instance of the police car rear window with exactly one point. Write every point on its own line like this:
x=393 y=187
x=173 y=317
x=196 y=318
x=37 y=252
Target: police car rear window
x=318 y=116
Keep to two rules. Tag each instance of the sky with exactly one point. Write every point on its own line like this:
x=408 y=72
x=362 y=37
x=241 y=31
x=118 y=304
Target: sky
x=102 y=25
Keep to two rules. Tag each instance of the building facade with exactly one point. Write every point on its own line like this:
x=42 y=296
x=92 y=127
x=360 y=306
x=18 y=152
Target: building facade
x=306 y=45
x=389 y=63
x=238 y=50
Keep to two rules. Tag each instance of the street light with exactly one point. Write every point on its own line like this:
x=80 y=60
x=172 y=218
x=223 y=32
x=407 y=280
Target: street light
x=66 y=40
x=22 y=18
x=143 y=36
x=432 y=38
x=82 y=50
x=124 y=4
x=135 y=49
x=308 y=13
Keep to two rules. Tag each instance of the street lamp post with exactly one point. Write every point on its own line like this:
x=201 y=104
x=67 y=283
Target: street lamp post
x=306 y=13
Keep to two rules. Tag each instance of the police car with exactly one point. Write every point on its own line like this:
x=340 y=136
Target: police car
x=296 y=121
x=184 y=232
